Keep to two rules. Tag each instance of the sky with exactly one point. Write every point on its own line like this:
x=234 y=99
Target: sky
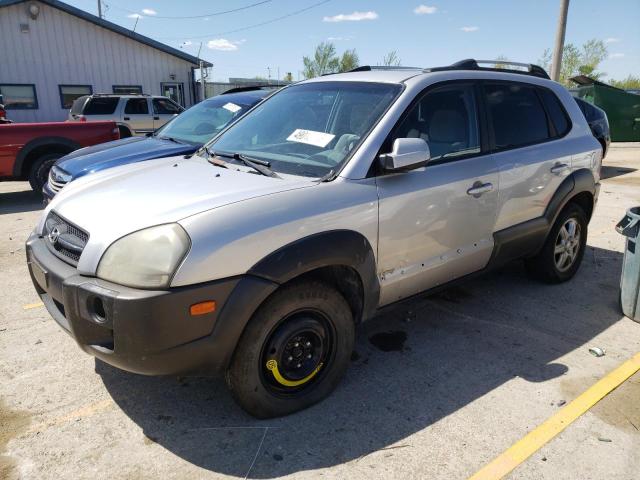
x=264 y=37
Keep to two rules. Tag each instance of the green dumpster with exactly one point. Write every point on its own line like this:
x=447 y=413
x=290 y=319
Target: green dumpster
x=622 y=108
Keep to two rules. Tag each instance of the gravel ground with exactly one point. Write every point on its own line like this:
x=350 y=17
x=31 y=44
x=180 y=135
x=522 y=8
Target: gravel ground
x=466 y=373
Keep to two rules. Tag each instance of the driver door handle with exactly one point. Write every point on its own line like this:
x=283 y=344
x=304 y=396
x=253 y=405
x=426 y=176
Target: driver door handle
x=479 y=188
x=559 y=168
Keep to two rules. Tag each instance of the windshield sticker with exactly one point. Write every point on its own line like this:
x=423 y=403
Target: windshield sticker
x=232 y=107
x=317 y=139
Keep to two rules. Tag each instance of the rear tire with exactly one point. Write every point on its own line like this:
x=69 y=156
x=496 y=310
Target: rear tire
x=294 y=350
x=562 y=253
x=39 y=171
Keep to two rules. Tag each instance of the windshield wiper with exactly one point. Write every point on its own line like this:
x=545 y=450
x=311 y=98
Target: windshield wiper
x=260 y=166
x=211 y=157
x=171 y=139
x=330 y=175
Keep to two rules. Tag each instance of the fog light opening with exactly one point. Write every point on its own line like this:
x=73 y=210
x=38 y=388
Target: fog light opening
x=98 y=310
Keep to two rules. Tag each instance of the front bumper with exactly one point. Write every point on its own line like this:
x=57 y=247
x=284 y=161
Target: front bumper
x=145 y=331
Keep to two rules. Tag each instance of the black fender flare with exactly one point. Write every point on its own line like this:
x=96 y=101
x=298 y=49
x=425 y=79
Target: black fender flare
x=577 y=182
x=30 y=146
x=333 y=248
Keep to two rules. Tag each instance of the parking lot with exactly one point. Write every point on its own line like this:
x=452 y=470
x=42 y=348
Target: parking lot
x=438 y=386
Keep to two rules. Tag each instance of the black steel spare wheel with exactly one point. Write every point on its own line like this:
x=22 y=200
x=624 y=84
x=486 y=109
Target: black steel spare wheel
x=294 y=350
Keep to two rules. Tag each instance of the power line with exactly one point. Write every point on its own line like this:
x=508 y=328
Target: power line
x=255 y=25
x=214 y=14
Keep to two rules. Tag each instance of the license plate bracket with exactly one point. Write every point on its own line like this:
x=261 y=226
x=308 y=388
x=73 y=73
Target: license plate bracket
x=39 y=273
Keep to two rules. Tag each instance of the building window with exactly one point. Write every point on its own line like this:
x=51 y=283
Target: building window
x=127 y=89
x=174 y=91
x=19 y=96
x=68 y=93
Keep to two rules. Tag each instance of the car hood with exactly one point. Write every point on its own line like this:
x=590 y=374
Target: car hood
x=120 y=152
x=116 y=202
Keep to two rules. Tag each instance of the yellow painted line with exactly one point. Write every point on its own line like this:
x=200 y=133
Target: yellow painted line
x=32 y=305
x=82 y=412
x=534 y=440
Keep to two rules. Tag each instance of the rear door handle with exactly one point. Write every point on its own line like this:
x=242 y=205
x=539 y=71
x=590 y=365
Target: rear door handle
x=156 y=118
x=559 y=169
x=479 y=188
x=126 y=118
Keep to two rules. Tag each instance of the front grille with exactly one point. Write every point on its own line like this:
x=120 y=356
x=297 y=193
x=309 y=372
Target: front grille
x=55 y=185
x=64 y=239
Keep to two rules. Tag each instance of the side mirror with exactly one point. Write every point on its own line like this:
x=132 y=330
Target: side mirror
x=407 y=154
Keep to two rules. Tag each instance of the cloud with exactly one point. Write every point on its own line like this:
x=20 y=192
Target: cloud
x=339 y=39
x=134 y=15
x=469 y=29
x=424 y=10
x=223 y=44
x=352 y=17
x=187 y=43
x=611 y=40
x=149 y=11
x=616 y=55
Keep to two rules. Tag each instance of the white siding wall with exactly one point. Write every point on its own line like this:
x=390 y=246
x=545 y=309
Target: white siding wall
x=61 y=49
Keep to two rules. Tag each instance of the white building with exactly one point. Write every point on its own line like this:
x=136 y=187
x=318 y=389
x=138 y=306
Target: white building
x=52 y=53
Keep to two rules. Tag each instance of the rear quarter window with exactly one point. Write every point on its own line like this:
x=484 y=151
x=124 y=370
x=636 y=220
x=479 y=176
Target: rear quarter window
x=101 y=106
x=556 y=112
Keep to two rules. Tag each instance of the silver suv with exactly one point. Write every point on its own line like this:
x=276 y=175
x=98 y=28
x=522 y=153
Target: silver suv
x=259 y=255
x=134 y=114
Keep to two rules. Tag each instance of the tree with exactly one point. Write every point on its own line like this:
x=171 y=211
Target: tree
x=288 y=77
x=631 y=82
x=576 y=61
x=391 y=59
x=324 y=61
x=349 y=60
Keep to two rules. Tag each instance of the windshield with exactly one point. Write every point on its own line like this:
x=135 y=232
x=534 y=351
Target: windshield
x=203 y=121
x=309 y=129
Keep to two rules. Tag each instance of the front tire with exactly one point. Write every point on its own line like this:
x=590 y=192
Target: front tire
x=562 y=253
x=39 y=171
x=294 y=350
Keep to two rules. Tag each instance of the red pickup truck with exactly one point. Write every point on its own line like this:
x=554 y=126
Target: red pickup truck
x=29 y=150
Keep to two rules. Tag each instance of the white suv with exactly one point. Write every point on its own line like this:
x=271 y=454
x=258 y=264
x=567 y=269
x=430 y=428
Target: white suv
x=134 y=114
x=258 y=256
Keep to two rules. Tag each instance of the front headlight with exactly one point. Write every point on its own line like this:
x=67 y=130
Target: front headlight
x=59 y=175
x=147 y=258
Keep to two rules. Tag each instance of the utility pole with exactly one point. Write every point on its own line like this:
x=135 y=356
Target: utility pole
x=202 y=81
x=100 y=8
x=268 y=75
x=556 y=64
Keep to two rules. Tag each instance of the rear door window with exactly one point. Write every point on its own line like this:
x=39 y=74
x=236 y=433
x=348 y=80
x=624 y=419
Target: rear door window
x=556 y=112
x=101 y=106
x=137 y=106
x=517 y=115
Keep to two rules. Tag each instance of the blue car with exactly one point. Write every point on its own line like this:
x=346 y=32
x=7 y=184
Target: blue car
x=183 y=135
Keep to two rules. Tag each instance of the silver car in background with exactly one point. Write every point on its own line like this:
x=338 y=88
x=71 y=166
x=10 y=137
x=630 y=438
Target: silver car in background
x=135 y=114
x=258 y=256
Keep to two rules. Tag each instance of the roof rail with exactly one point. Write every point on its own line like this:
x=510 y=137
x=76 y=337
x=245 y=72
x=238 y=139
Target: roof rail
x=369 y=68
x=471 y=64
x=120 y=94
